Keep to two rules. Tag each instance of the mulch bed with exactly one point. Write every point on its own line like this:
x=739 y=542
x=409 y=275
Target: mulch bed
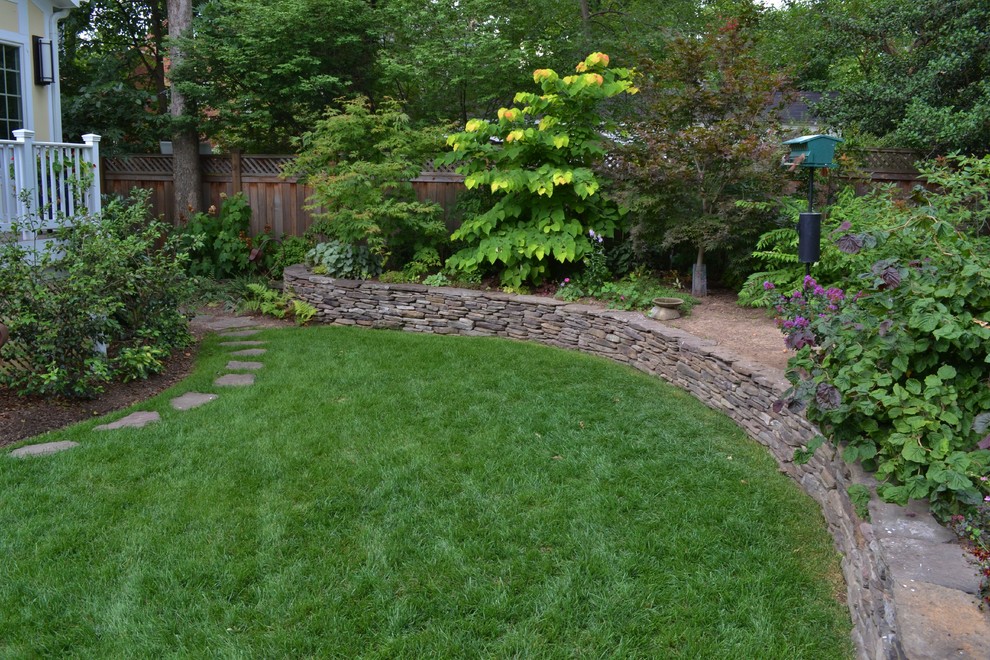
x=24 y=417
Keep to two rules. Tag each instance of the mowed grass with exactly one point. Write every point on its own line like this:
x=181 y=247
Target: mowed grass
x=388 y=495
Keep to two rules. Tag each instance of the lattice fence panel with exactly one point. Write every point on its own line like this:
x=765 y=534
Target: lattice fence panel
x=148 y=164
x=264 y=165
x=899 y=161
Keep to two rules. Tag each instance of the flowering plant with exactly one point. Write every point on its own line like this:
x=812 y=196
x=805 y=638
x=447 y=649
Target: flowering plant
x=801 y=314
x=897 y=375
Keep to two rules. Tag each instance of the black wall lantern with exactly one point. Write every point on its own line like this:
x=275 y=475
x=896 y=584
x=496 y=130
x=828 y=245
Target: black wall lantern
x=44 y=61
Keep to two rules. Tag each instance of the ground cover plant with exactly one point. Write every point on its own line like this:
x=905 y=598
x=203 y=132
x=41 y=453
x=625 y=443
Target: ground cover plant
x=358 y=500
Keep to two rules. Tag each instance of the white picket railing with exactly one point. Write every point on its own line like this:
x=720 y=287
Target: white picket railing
x=47 y=182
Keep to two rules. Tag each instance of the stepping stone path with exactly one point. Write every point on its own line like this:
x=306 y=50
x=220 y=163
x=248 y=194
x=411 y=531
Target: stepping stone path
x=43 y=449
x=235 y=327
x=191 y=400
x=135 y=420
x=235 y=365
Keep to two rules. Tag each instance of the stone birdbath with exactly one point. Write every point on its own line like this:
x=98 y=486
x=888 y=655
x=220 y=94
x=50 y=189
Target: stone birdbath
x=666 y=309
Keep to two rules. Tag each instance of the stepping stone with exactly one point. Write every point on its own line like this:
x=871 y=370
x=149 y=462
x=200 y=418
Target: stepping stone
x=247 y=342
x=235 y=380
x=234 y=365
x=191 y=400
x=43 y=449
x=231 y=323
x=240 y=333
x=136 y=420
x=250 y=352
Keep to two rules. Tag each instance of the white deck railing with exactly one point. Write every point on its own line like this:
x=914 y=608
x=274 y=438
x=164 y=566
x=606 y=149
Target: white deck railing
x=44 y=184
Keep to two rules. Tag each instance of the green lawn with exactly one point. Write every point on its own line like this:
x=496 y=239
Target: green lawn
x=379 y=494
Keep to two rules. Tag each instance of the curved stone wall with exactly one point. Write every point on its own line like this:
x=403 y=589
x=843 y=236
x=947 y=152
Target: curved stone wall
x=893 y=565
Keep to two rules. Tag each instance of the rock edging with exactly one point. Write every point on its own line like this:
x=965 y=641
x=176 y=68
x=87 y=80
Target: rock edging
x=910 y=589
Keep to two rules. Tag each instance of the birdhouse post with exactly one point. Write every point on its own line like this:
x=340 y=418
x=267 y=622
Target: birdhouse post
x=810 y=152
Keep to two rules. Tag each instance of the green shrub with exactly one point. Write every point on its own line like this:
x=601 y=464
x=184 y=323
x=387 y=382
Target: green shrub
x=897 y=375
x=359 y=161
x=218 y=244
x=338 y=259
x=290 y=250
x=548 y=195
x=105 y=305
x=437 y=279
x=962 y=197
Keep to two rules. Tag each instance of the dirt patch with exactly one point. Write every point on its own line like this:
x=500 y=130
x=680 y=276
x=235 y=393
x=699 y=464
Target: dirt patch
x=748 y=332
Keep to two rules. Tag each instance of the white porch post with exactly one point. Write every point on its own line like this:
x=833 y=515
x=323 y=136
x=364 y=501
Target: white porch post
x=92 y=157
x=26 y=177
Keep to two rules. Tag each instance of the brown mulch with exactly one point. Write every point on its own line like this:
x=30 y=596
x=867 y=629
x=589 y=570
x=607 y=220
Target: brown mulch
x=24 y=417
x=749 y=333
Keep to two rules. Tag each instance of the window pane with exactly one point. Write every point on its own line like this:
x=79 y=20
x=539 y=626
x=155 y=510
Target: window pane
x=11 y=107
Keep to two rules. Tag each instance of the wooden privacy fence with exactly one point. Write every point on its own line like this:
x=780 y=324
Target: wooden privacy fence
x=894 y=166
x=277 y=202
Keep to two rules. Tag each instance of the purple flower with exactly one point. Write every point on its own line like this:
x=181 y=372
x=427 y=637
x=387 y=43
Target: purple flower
x=800 y=322
x=768 y=286
x=567 y=280
x=834 y=295
x=810 y=282
x=819 y=291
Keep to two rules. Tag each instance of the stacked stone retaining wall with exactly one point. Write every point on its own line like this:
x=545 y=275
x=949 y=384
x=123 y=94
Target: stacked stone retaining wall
x=741 y=389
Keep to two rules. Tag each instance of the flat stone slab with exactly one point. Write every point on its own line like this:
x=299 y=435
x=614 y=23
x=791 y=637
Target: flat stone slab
x=250 y=352
x=245 y=342
x=240 y=333
x=225 y=322
x=191 y=400
x=935 y=622
x=235 y=380
x=43 y=449
x=136 y=420
x=235 y=365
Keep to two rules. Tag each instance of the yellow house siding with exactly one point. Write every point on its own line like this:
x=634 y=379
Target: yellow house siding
x=8 y=15
x=41 y=99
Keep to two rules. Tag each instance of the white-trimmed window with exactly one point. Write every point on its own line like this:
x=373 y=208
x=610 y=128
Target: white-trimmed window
x=11 y=96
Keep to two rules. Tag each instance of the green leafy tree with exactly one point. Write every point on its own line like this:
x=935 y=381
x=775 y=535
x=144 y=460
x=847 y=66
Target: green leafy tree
x=708 y=138
x=261 y=73
x=538 y=157
x=112 y=65
x=359 y=161
x=915 y=73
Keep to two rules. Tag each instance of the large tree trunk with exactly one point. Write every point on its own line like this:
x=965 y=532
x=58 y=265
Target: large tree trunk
x=185 y=139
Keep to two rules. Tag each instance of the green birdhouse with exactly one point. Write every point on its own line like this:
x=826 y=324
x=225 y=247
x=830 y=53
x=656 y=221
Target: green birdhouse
x=811 y=151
